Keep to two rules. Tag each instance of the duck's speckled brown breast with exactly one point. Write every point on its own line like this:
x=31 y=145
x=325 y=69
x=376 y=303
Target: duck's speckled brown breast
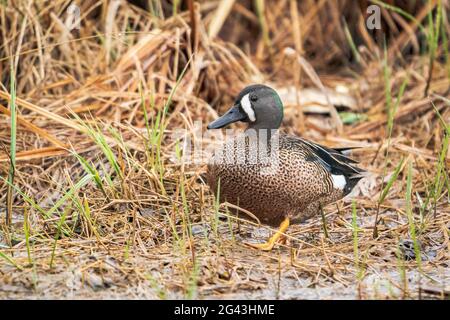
x=295 y=188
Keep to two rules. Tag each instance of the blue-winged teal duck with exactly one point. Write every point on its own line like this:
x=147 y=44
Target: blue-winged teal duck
x=304 y=176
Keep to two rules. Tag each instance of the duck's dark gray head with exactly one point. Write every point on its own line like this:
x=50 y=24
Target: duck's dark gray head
x=259 y=105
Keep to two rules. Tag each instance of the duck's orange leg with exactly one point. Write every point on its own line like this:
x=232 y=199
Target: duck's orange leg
x=274 y=239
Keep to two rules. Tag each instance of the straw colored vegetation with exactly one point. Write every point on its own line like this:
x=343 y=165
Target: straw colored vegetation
x=93 y=202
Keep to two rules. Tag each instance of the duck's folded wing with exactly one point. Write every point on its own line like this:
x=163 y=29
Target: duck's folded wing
x=334 y=160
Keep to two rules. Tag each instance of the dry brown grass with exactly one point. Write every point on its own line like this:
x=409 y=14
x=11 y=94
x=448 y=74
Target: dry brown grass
x=153 y=230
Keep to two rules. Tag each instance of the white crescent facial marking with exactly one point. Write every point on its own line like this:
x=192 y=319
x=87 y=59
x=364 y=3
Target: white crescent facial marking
x=247 y=106
x=339 y=181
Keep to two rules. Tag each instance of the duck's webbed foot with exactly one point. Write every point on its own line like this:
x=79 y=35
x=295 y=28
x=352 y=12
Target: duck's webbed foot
x=276 y=238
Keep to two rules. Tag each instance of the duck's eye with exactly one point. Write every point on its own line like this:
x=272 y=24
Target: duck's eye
x=253 y=97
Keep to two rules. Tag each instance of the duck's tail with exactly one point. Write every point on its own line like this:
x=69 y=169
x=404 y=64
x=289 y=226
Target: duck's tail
x=355 y=173
x=353 y=180
x=337 y=162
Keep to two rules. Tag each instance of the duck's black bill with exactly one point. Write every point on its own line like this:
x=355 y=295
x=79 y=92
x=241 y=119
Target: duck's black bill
x=233 y=115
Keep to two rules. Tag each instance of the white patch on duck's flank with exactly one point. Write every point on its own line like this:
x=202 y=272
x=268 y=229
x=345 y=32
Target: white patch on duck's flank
x=247 y=106
x=339 y=181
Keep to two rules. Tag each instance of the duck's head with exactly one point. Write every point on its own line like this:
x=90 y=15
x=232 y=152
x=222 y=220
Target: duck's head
x=259 y=105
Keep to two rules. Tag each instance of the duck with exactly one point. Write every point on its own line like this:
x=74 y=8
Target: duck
x=290 y=181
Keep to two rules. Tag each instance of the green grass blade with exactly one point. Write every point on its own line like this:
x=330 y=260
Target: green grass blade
x=391 y=181
x=29 y=200
x=69 y=193
x=90 y=169
x=26 y=231
x=58 y=234
x=10 y=260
